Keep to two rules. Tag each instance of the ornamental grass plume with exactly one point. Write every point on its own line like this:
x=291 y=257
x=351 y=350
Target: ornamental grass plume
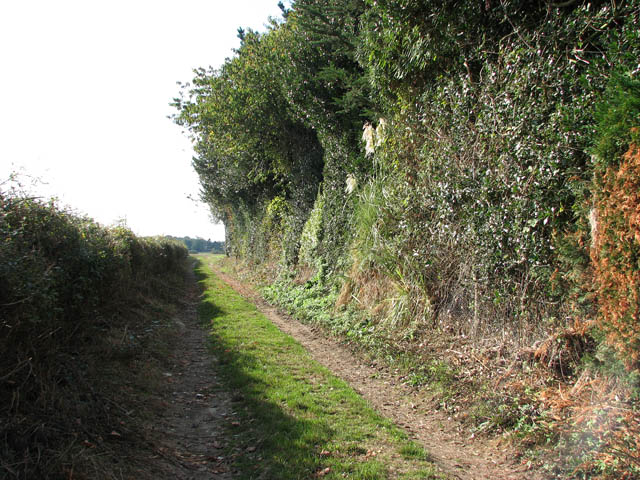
x=368 y=137
x=380 y=132
x=352 y=183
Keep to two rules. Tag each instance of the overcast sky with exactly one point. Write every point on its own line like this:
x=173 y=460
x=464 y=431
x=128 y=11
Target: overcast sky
x=86 y=87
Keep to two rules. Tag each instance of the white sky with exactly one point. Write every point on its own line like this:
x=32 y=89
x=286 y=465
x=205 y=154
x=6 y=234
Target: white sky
x=86 y=87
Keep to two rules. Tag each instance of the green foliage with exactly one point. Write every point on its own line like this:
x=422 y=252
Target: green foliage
x=310 y=237
x=618 y=121
x=276 y=120
x=615 y=222
x=406 y=45
x=341 y=159
x=63 y=281
x=325 y=85
x=309 y=302
x=486 y=148
x=200 y=245
x=251 y=147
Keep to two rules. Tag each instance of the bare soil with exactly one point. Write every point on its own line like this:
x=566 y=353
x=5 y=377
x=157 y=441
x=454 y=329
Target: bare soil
x=453 y=448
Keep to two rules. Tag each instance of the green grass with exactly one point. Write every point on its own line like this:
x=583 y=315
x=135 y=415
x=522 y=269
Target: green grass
x=294 y=418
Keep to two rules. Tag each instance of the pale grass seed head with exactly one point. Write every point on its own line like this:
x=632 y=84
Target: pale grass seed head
x=368 y=137
x=352 y=183
x=380 y=132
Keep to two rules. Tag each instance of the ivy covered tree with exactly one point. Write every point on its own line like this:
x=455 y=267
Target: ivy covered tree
x=479 y=165
x=249 y=146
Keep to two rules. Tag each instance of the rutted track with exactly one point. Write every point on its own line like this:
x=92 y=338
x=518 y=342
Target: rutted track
x=186 y=441
x=451 y=448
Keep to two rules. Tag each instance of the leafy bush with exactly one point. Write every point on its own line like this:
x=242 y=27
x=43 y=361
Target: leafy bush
x=64 y=281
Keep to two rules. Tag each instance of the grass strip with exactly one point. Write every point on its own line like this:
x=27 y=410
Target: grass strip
x=295 y=420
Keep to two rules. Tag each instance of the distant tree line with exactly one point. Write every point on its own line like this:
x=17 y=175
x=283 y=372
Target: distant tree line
x=200 y=245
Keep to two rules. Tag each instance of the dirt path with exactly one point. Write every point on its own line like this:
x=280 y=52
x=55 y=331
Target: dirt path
x=186 y=441
x=455 y=451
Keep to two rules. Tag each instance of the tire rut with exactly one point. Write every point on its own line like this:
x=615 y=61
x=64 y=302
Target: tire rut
x=186 y=440
x=453 y=449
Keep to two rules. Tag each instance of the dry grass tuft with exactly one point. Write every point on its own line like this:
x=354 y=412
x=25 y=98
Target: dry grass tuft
x=370 y=290
x=563 y=351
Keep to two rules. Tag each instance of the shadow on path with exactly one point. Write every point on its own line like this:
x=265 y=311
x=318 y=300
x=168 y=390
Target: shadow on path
x=267 y=442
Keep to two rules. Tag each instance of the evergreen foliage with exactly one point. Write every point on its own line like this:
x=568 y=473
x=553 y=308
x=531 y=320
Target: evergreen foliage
x=469 y=200
x=615 y=220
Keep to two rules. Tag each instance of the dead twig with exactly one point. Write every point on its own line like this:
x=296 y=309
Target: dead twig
x=16 y=369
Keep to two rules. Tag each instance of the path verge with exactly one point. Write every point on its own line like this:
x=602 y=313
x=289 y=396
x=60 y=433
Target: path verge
x=294 y=418
x=454 y=450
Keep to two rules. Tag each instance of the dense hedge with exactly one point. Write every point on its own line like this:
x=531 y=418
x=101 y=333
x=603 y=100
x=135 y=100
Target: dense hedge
x=482 y=173
x=65 y=282
x=473 y=169
x=56 y=268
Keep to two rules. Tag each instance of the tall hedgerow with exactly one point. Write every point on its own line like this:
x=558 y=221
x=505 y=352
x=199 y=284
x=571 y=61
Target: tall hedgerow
x=66 y=282
x=491 y=113
x=490 y=107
